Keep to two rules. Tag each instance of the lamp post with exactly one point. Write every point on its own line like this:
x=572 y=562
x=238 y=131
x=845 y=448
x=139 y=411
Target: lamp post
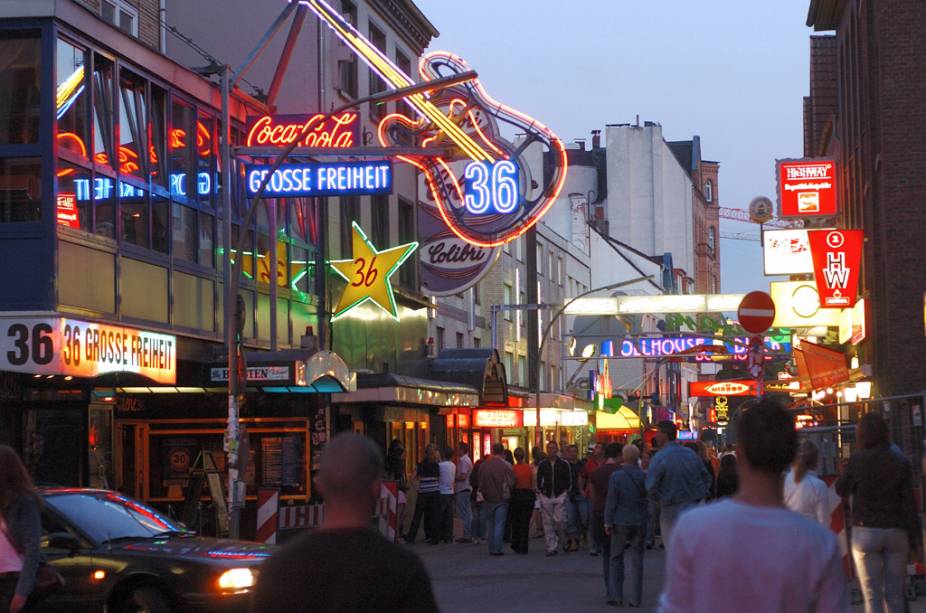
x=546 y=332
x=233 y=265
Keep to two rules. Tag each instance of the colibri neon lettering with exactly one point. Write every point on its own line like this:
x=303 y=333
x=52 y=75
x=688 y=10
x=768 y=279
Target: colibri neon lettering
x=322 y=179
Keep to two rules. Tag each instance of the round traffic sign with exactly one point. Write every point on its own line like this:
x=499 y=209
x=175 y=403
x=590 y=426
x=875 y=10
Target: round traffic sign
x=756 y=312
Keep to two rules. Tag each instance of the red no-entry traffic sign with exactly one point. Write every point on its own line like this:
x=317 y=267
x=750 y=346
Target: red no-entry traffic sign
x=756 y=312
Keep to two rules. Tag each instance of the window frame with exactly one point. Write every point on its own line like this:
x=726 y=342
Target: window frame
x=124 y=7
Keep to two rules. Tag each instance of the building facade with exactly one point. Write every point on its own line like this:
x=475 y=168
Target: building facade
x=866 y=90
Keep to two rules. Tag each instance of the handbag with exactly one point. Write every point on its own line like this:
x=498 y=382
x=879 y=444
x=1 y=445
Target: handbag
x=47 y=579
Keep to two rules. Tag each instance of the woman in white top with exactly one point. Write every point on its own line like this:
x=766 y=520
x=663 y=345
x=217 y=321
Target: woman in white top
x=805 y=492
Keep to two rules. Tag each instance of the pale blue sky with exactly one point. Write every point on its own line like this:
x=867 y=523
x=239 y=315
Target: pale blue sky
x=732 y=71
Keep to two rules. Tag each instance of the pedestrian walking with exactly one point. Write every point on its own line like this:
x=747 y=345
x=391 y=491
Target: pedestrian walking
x=885 y=527
x=577 y=502
x=463 y=492
x=749 y=552
x=426 y=505
x=536 y=530
x=805 y=492
x=600 y=480
x=20 y=532
x=625 y=524
x=447 y=480
x=345 y=566
x=395 y=471
x=676 y=479
x=522 y=502
x=594 y=460
x=496 y=480
x=727 y=478
x=554 y=481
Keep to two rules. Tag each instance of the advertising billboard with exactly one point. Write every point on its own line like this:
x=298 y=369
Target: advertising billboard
x=837 y=256
x=786 y=252
x=797 y=305
x=807 y=188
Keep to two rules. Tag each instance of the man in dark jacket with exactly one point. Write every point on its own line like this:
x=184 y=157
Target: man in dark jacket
x=554 y=481
x=496 y=480
x=625 y=522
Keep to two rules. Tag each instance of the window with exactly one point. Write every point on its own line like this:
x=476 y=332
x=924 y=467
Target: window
x=407 y=234
x=539 y=259
x=506 y=297
x=377 y=110
x=709 y=191
x=347 y=68
x=179 y=145
x=559 y=271
x=522 y=370
x=477 y=342
x=122 y=15
x=19 y=82
x=711 y=239
x=350 y=212
x=380 y=214
x=509 y=360
x=440 y=339
x=405 y=65
x=20 y=190
x=459 y=340
x=184 y=233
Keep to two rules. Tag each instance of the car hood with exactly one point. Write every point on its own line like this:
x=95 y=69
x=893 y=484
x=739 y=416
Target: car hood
x=201 y=549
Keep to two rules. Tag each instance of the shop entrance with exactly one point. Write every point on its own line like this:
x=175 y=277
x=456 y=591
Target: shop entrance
x=130 y=458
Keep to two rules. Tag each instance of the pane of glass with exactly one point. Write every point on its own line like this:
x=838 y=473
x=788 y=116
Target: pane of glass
x=264 y=268
x=184 y=232
x=156 y=136
x=206 y=145
x=380 y=213
x=104 y=204
x=102 y=111
x=73 y=201
x=134 y=208
x=20 y=190
x=72 y=102
x=205 y=239
x=109 y=12
x=20 y=56
x=133 y=122
x=126 y=22
x=178 y=146
x=159 y=223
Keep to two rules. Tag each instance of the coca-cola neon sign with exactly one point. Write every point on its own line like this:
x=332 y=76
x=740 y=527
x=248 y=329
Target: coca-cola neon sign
x=325 y=131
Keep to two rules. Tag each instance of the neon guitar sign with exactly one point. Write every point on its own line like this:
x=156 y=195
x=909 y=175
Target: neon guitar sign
x=482 y=184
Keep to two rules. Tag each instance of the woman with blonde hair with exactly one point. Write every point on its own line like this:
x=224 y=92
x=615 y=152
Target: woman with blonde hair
x=20 y=531
x=805 y=492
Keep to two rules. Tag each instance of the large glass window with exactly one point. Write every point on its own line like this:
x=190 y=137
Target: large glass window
x=73 y=204
x=104 y=204
x=205 y=158
x=20 y=189
x=206 y=246
x=103 y=112
x=184 y=233
x=20 y=57
x=72 y=101
x=160 y=236
x=157 y=134
x=377 y=110
x=134 y=208
x=178 y=144
x=133 y=125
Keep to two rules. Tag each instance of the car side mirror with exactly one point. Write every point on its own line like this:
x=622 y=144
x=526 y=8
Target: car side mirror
x=63 y=540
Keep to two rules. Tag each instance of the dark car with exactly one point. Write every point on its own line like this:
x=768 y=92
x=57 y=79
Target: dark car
x=118 y=555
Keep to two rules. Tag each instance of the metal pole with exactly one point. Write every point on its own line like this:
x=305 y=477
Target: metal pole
x=230 y=313
x=272 y=266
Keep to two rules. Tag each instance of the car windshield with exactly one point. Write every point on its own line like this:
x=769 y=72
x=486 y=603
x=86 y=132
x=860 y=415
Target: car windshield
x=107 y=516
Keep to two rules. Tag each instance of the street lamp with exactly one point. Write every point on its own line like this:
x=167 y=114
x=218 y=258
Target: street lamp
x=546 y=332
x=234 y=266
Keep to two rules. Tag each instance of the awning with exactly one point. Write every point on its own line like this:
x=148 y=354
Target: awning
x=479 y=368
x=825 y=367
x=624 y=419
x=389 y=388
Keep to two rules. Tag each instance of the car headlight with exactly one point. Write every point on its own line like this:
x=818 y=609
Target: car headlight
x=237 y=579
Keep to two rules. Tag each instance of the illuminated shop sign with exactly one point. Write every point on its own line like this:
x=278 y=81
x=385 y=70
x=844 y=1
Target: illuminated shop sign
x=745 y=387
x=322 y=179
x=368 y=274
x=497 y=418
x=786 y=252
x=66 y=210
x=256 y=374
x=326 y=131
x=658 y=347
x=672 y=303
x=555 y=417
x=797 y=305
x=104 y=188
x=807 y=188
x=467 y=119
x=852 y=324
x=837 y=255
x=61 y=346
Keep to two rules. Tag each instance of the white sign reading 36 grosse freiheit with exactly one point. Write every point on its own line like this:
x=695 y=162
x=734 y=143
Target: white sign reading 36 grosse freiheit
x=63 y=346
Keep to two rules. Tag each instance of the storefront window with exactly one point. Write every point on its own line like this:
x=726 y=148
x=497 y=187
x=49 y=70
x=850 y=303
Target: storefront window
x=133 y=125
x=20 y=189
x=157 y=135
x=178 y=145
x=71 y=102
x=105 y=193
x=73 y=203
x=206 y=253
x=205 y=158
x=159 y=223
x=103 y=112
x=135 y=215
x=20 y=58
x=184 y=232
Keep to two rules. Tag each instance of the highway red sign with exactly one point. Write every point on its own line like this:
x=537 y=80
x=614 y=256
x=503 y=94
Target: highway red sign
x=756 y=312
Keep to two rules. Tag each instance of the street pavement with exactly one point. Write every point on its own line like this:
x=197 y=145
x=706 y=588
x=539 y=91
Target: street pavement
x=466 y=579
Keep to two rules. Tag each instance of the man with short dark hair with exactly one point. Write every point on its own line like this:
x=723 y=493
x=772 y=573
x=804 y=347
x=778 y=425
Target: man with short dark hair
x=554 y=480
x=676 y=479
x=345 y=566
x=496 y=481
x=767 y=558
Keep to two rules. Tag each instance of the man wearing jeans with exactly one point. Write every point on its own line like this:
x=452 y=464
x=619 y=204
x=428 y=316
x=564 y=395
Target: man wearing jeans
x=676 y=479
x=462 y=493
x=554 y=480
x=496 y=481
x=625 y=522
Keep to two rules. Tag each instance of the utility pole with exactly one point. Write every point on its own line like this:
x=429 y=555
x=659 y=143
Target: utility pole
x=533 y=327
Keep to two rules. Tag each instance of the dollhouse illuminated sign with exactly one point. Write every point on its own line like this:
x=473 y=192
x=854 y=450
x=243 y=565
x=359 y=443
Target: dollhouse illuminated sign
x=69 y=347
x=368 y=178
x=323 y=131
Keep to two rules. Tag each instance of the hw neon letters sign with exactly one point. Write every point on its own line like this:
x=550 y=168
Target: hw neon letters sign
x=322 y=179
x=323 y=131
x=836 y=258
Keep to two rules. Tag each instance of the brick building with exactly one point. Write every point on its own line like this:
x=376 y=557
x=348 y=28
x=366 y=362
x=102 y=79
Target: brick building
x=867 y=86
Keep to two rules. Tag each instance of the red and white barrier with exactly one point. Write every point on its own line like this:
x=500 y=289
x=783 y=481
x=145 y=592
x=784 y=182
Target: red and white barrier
x=387 y=508
x=268 y=502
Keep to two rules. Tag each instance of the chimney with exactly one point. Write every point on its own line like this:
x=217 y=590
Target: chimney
x=581 y=143
x=596 y=139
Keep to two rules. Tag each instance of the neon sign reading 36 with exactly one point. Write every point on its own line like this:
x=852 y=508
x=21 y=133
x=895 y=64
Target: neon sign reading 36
x=491 y=187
